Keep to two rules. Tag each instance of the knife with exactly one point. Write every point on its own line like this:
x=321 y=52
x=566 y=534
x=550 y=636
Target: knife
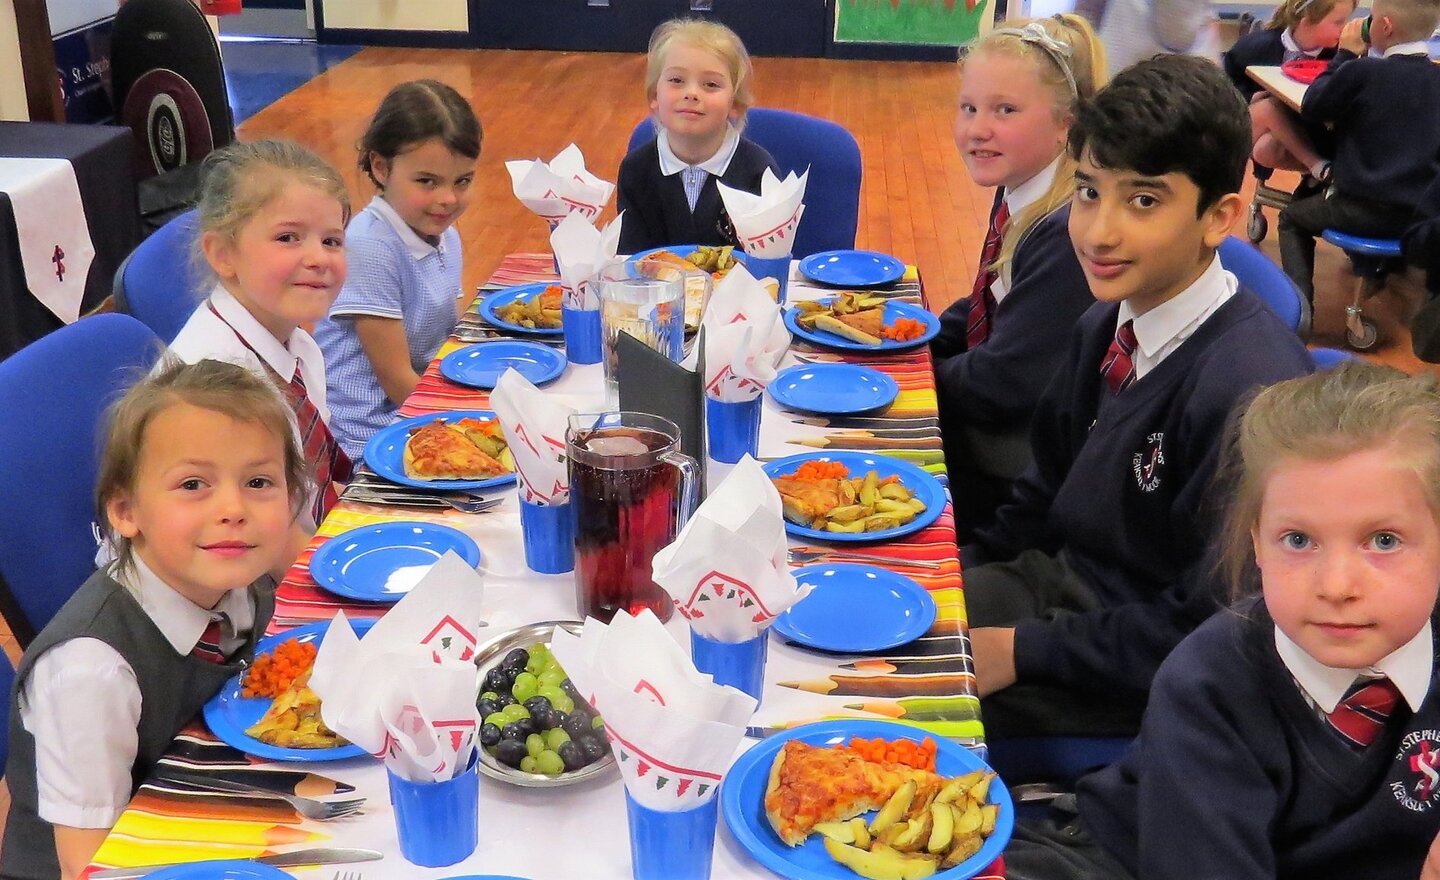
x=317 y=856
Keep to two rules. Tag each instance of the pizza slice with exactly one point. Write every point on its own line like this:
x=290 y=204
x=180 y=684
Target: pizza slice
x=810 y=784
x=862 y=327
x=805 y=501
x=438 y=451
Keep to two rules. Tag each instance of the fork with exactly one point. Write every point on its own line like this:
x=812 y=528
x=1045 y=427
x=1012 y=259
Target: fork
x=308 y=807
x=808 y=556
x=462 y=503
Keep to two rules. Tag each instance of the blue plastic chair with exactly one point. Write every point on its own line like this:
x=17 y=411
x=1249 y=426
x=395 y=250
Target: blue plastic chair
x=1372 y=260
x=7 y=681
x=156 y=284
x=1262 y=277
x=1325 y=358
x=798 y=141
x=54 y=393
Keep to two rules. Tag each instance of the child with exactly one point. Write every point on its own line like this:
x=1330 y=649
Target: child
x=1297 y=735
x=1421 y=246
x=1298 y=29
x=272 y=231
x=999 y=346
x=1387 y=134
x=199 y=483
x=1099 y=550
x=697 y=79
x=404 y=295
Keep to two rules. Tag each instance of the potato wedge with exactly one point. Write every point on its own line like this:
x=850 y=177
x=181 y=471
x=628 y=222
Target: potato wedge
x=989 y=813
x=881 y=862
x=895 y=808
x=963 y=848
x=958 y=786
x=862 y=832
x=843 y=832
x=981 y=790
x=917 y=834
x=970 y=819
x=942 y=828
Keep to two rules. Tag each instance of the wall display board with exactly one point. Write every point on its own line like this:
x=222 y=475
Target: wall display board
x=912 y=22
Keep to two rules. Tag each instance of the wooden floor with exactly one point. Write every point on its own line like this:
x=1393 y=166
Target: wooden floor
x=917 y=201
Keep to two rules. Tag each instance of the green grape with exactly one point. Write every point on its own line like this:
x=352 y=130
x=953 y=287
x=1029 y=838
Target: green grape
x=597 y=722
x=514 y=712
x=528 y=764
x=539 y=657
x=489 y=695
x=524 y=687
x=553 y=738
x=551 y=677
x=496 y=718
x=549 y=763
x=552 y=693
x=564 y=703
x=535 y=744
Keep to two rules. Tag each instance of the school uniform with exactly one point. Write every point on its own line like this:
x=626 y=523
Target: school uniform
x=1239 y=774
x=1387 y=151
x=988 y=392
x=100 y=695
x=394 y=273
x=1421 y=246
x=1098 y=559
x=1264 y=47
x=667 y=202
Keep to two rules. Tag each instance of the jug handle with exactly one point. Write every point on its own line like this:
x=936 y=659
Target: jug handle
x=689 y=486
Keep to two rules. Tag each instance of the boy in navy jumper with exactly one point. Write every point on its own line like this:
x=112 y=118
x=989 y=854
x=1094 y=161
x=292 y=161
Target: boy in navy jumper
x=1097 y=558
x=1387 y=134
x=1296 y=737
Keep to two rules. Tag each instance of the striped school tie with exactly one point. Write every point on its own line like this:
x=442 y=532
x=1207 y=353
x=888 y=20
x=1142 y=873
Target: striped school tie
x=331 y=463
x=982 y=301
x=208 y=647
x=1362 y=714
x=1118 y=367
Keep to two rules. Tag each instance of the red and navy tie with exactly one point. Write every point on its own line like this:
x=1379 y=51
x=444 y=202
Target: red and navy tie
x=331 y=463
x=982 y=300
x=1118 y=367
x=1362 y=714
x=208 y=647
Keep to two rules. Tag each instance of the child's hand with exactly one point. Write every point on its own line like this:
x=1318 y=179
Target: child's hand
x=1431 y=869
x=993 y=648
x=1350 y=39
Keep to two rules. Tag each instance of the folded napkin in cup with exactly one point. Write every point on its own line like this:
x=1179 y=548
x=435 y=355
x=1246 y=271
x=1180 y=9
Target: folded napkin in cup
x=582 y=251
x=559 y=188
x=674 y=730
x=745 y=338
x=534 y=424
x=728 y=569
x=406 y=692
x=766 y=223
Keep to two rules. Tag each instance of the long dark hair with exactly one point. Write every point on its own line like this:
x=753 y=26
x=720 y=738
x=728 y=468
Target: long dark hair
x=418 y=111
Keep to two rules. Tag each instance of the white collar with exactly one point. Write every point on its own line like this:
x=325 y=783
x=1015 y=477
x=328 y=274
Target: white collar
x=1030 y=192
x=181 y=621
x=1409 y=666
x=1157 y=327
x=279 y=356
x=717 y=164
x=1414 y=47
x=417 y=247
x=1287 y=39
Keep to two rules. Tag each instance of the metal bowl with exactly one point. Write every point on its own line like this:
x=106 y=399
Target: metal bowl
x=490 y=655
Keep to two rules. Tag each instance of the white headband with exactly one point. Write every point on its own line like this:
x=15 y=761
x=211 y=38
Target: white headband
x=1035 y=34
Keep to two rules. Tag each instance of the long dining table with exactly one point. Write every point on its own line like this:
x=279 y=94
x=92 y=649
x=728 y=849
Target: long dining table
x=579 y=831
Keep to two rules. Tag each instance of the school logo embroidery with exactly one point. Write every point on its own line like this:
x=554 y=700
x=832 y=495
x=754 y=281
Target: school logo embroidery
x=1146 y=464
x=1418 y=788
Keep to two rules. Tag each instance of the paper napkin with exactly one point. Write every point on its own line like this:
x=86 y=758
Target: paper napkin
x=581 y=252
x=674 y=731
x=406 y=692
x=765 y=224
x=727 y=569
x=534 y=424
x=559 y=188
x=745 y=338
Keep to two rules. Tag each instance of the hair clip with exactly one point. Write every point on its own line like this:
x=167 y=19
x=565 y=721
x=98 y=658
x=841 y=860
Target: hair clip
x=1059 y=52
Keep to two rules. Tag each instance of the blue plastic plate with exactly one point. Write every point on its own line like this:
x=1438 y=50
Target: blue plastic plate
x=742 y=801
x=385 y=453
x=381 y=563
x=679 y=250
x=226 y=870
x=499 y=298
x=228 y=714
x=833 y=389
x=852 y=268
x=896 y=610
x=924 y=487
x=893 y=311
x=481 y=365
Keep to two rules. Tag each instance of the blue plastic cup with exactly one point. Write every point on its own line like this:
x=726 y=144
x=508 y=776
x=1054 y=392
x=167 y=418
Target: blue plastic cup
x=549 y=534
x=732 y=429
x=439 y=822
x=582 y=335
x=675 y=845
x=777 y=268
x=738 y=664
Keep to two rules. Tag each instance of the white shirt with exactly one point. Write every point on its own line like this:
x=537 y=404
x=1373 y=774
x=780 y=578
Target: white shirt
x=1292 y=48
x=82 y=769
x=1409 y=666
x=1166 y=327
x=693 y=177
x=1414 y=47
x=206 y=336
x=1017 y=200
